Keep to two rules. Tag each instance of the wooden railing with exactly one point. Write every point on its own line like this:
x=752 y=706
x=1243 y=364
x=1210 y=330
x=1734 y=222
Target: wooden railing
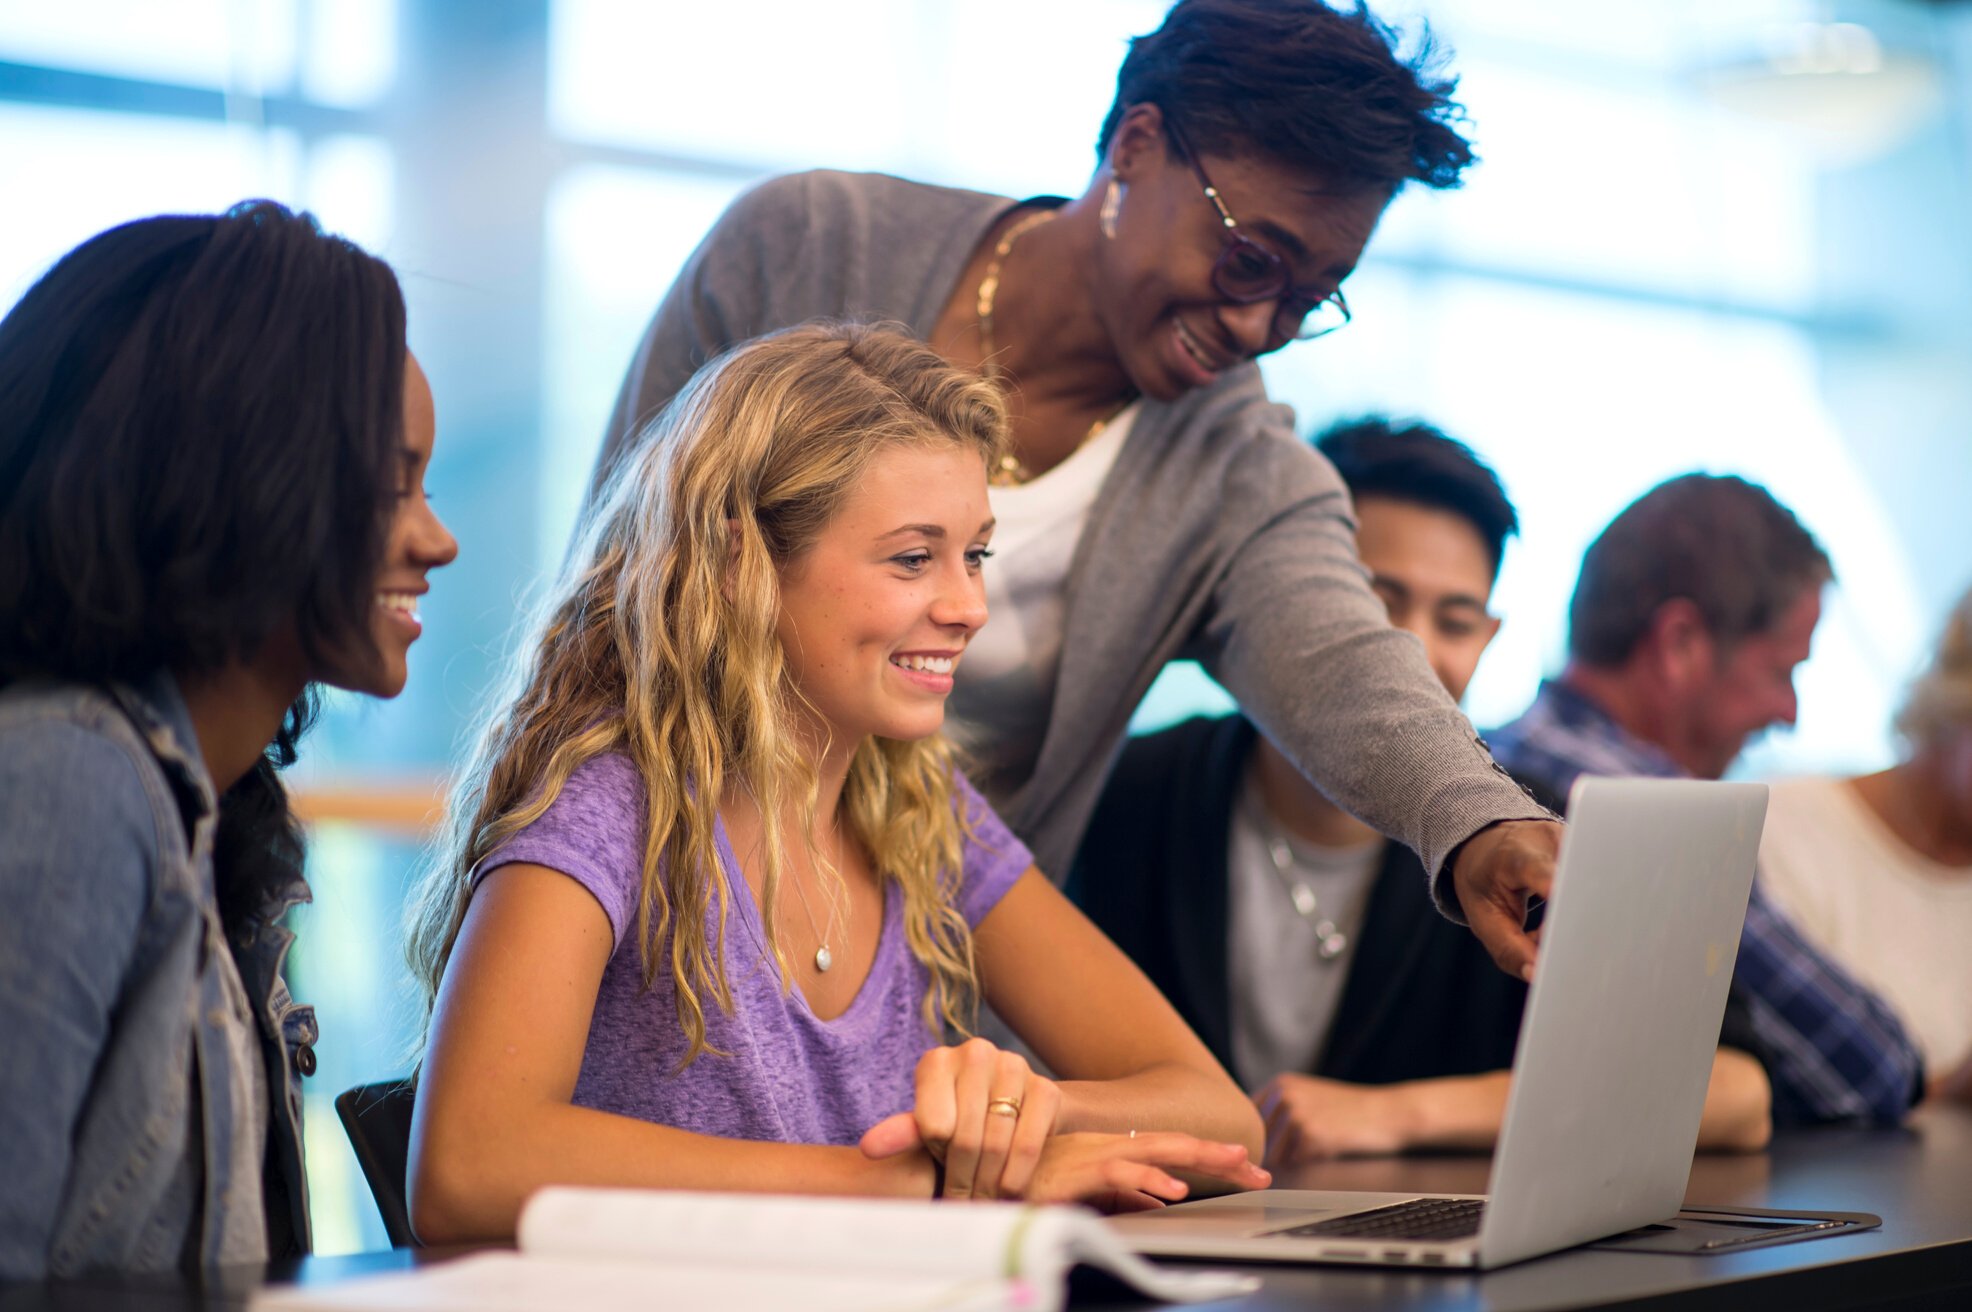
x=410 y=807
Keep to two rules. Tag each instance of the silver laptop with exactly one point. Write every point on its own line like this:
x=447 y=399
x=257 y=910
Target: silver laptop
x=1610 y=1075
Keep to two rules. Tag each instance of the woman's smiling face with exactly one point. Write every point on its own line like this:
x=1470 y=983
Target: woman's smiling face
x=417 y=543
x=877 y=611
x=1171 y=328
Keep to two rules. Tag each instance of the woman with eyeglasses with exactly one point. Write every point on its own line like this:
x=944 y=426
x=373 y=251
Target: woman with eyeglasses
x=1154 y=504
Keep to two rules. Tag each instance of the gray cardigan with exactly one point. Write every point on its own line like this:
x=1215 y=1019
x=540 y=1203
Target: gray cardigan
x=1218 y=535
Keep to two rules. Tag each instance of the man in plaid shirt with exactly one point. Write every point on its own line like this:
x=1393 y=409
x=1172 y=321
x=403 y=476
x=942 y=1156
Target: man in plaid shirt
x=1691 y=612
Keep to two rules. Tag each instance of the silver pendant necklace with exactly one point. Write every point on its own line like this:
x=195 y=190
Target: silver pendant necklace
x=1330 y=939
x=823 y=957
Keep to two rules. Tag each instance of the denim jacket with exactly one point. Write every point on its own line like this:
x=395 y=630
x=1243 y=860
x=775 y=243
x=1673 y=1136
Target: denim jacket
x=114 y=1070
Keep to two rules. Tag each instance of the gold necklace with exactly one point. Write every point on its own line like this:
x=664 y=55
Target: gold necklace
x=989 y=287
x=1008 y=471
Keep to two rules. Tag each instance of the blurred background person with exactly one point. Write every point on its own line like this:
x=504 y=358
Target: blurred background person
x=1877 y=868
x=1295 y=939
x=1691 y=613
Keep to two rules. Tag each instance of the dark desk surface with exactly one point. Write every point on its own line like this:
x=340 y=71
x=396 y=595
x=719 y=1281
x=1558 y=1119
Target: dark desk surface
x=1919 y=1180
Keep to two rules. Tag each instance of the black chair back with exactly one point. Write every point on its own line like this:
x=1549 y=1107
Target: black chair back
x=377 y=1118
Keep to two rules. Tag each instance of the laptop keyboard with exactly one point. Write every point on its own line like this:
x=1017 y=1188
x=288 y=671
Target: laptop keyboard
x=1420 y=1218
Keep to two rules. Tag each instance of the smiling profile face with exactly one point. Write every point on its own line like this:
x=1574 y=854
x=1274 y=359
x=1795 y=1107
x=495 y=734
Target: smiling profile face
x=1172 y=329
x=416 y=544
x=877 y=611
x=1746 y=689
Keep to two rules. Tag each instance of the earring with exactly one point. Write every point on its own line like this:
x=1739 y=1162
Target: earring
x=1112 y=201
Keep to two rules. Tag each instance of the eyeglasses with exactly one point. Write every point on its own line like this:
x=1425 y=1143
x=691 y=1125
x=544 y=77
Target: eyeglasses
x=1247 y=272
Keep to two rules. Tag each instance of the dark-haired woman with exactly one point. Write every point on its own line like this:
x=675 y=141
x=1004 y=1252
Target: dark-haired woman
x=1155 y=504
x=212 y=446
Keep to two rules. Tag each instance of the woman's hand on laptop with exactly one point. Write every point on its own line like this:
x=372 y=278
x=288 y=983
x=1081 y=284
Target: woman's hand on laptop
x=1494 y=873
x=1110 y=1172
x=990 y=1120
x=1135 y=1172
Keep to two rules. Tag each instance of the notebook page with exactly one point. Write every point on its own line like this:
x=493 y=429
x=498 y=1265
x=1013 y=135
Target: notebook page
x=618 y=1250
x=852 y=1237
x=769 y=1232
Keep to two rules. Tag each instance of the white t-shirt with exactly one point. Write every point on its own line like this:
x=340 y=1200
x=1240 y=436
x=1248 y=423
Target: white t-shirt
x=1898 y=921
x=1004 y=694
x=1284 y=990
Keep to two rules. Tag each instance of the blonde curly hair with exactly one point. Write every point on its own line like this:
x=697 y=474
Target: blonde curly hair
x=660 y=644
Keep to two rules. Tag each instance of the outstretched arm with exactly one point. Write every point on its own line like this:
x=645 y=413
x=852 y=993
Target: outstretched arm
x=1308 y=651
x=1309 y=1118
x=494 y=1121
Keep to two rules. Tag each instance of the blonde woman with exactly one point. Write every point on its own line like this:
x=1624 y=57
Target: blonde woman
x=715 y=889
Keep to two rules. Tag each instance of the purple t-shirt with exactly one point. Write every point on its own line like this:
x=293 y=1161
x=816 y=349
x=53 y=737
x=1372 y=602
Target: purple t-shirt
x=789 y=1077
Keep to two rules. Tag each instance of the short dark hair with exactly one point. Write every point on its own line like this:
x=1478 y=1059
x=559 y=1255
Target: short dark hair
x=1300 y=83
x=1419 y=464
x=201 y=434
x=1717 y=541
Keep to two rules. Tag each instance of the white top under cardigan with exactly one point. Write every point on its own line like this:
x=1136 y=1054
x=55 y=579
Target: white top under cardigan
x=1004 y=693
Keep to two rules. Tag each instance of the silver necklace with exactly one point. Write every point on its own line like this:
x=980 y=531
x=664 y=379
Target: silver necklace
x=1331 y=940
x=823 y=957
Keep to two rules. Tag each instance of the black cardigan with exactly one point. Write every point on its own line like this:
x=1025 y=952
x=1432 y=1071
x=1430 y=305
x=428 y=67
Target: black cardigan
x=1423 y=998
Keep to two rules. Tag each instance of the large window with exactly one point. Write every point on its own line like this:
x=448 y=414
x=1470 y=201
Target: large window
x=1635 y=283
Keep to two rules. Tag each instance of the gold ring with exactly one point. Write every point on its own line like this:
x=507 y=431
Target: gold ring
x=1009 y=1107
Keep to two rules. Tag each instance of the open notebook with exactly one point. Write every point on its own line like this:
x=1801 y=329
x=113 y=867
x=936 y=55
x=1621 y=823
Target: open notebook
x=630 y=1248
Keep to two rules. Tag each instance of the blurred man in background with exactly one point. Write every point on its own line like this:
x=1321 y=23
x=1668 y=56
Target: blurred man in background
x=1692 y=610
